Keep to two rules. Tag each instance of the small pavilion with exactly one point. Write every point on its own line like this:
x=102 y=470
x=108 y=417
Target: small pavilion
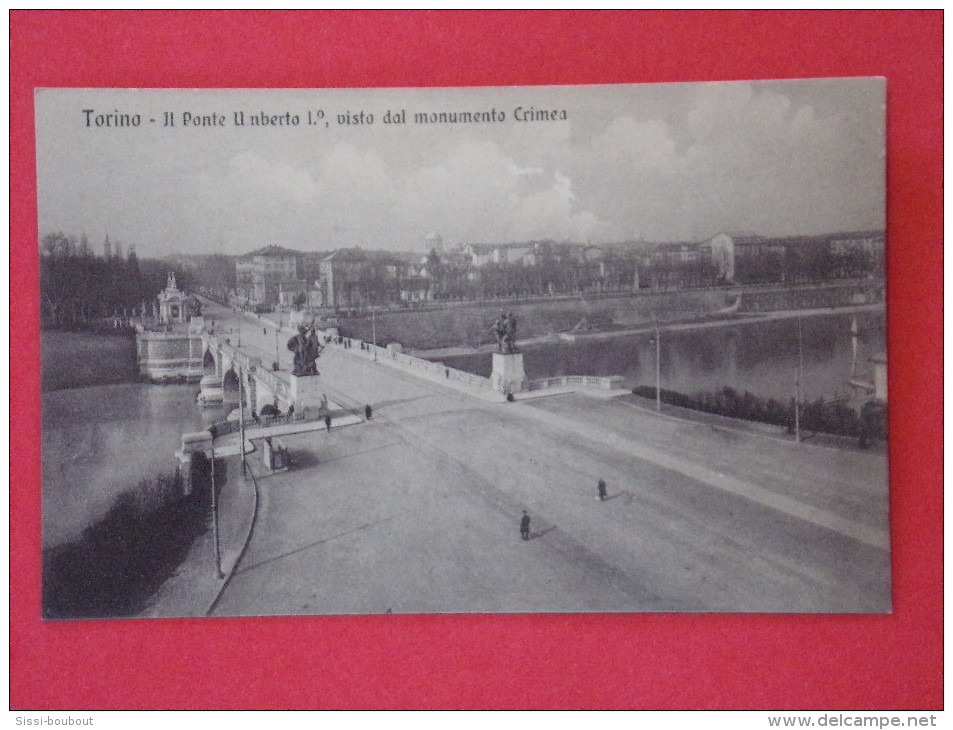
x=172 y=304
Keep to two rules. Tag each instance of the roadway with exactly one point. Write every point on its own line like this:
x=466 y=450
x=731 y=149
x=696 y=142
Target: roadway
x=417 y=510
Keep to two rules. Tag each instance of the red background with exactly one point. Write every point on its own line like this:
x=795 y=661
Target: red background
x=504 y=661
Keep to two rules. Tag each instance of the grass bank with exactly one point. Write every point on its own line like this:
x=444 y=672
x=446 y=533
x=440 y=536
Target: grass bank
x=468 y=326
x=118 y=564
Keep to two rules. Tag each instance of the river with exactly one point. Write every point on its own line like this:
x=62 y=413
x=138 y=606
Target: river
x=756 y=356
x=101 y=441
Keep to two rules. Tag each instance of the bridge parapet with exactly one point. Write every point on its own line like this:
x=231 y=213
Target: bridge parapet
x=276 y=381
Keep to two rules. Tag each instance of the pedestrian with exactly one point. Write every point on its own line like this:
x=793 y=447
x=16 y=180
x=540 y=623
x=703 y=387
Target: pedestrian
x=602 y=490
x=368 y=412
x=264 y=330
x=524 y=526
x=327 y=422
x=291 y=412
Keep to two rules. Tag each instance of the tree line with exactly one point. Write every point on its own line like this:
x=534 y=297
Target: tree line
x=80 y=289
x=830 y=417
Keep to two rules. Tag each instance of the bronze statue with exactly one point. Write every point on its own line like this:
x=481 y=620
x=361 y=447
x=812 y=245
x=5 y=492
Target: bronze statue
x=511 y=332
x=505 y=330
x=307 y=349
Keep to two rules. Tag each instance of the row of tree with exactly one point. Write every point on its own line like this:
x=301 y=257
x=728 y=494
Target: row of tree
x=809 y=263
x=831 y=417
x=78 y=288
x=628 y=270
x=549 y=276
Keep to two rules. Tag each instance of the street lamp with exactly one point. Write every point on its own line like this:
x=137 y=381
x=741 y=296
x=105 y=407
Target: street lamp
x=218 y=551
x=797 y=383
x=658 y=368
x=241 y=424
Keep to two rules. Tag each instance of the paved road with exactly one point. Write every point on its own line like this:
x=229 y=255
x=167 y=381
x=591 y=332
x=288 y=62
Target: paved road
x=417 y=510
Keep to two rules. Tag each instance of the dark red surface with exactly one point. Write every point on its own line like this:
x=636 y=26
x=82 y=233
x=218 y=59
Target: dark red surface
x=508 y=661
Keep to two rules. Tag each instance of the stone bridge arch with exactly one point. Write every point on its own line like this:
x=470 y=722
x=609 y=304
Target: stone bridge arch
x=230 y=387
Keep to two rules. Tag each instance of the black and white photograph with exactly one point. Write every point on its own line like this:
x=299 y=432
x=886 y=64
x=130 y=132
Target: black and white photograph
x=544 y=349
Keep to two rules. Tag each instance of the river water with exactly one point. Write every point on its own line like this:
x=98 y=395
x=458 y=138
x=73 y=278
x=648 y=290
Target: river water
x=101 y=441
x=760 y=357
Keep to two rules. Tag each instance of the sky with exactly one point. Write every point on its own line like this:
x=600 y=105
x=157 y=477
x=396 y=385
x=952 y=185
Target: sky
x=660 y=162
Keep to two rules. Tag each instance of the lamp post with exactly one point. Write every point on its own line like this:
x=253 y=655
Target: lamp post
x=658 y=367
x=797 y=384
x=218 y=552
x=241 y=424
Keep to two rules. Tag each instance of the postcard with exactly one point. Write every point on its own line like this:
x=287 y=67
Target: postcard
x=569 y=349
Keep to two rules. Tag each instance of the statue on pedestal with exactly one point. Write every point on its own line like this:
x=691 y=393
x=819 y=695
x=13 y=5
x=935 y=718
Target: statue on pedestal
x=307 y=349
x=505 y=330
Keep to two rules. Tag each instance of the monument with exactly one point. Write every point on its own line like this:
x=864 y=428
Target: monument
x=508 y=374
x=172 y=305
x=304 y=385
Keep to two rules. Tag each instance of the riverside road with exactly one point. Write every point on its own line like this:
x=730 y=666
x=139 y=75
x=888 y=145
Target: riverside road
x=417 y=510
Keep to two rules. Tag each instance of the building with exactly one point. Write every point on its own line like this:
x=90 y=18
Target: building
x=343 y=278
x=260 y=274
x=175 y=306
x=483 y=254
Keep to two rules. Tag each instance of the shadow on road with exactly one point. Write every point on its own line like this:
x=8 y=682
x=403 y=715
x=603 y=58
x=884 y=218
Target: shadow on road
x=314 y=544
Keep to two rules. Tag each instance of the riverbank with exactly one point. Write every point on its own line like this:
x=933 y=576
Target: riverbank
x=647 y=328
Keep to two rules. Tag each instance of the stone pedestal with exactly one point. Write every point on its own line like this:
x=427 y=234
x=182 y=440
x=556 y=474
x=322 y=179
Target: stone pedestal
x=305 y=392
x=193 y=444
x=508 y=373
x=210 y=391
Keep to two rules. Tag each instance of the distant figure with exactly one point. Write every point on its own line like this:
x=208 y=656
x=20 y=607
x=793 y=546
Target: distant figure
x=327 y=422
x=264 y=330
x=291 y=412
x=368 y=412
x=602 y=490
x=524 y=526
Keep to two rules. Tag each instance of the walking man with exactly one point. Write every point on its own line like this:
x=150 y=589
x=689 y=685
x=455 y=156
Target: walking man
x=327 y=422
x=524 y=526
x=602 y=490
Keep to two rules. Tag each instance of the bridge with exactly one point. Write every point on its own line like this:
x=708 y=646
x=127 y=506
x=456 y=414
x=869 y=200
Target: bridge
x=230 y=371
